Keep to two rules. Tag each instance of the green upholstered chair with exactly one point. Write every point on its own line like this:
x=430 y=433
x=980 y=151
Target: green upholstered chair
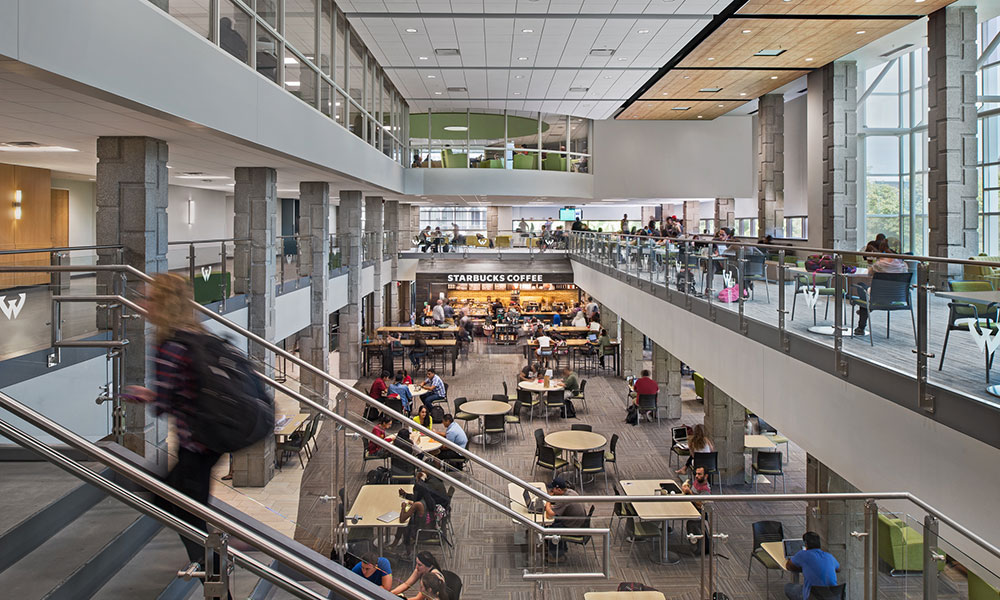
x=526 y=161
x=502 y=241
x=980 y=590
x=492 y=163
x=900 y=546
x=980 y=273
x=963 y=314
x=699 y=385
x=206 y=292
x=554 y=162
x=454 y=160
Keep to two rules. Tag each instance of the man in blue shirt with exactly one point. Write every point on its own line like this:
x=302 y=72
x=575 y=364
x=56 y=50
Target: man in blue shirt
x=456 y=435
x=402 y=390
x=817 y=568
x=556 y=320
x=436 y=387
x=375 y=569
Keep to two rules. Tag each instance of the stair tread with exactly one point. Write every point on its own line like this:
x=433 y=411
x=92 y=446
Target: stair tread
x=150 y=570
x=27 y=487
x=49 y=564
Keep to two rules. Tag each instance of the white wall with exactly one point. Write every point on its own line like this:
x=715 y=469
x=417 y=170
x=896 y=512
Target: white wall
x=872 y=442
x=210 y=219
x=796 y=189
x=499 y=183
x=814 y=158
x=673 y=159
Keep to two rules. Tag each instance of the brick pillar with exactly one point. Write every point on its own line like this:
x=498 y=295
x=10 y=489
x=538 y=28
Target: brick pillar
x=952 y=207
x=692 y=215
x=314 y=260
x=609 y=320
x=771 y=156
x=834 y=520
x=404 y=239
x=725 y=212
x=631 y=349
x=492 y=222
x=840 y=155
x=349 y=239
x=667 y=372
x=725 y=424
x=132 y=211
x=256 y=218
x=374 y=224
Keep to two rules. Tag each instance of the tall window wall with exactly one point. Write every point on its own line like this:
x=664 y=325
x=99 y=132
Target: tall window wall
x=989 y=141
x=470 y=221
x=893 y=150
x=308 y=48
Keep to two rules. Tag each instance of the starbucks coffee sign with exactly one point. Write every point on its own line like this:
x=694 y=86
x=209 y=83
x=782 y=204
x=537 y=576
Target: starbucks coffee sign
x=500 y=278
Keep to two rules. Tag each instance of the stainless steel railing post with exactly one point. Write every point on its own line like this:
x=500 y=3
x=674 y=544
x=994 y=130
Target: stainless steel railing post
x=924 y=399
x=838 y=315
x=782 y=274
x=931 y=557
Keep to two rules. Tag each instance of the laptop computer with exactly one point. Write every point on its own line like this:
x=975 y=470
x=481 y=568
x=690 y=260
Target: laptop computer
x=793 y=546
x=533 y=504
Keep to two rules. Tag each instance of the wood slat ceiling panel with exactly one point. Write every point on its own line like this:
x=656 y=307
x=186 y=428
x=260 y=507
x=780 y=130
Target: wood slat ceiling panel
x=686 y=84
x=822 y=40
x=664 y=110
x=843 y=7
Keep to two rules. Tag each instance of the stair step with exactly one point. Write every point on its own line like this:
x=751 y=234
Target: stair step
x=27 y=486
x=51 y=563
x=150 y=571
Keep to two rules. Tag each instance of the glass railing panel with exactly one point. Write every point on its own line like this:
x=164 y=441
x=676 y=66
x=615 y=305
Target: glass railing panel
x=195 y=14
x=209 y=266
x=235 y=29
x=957 y=574
x=268 y=53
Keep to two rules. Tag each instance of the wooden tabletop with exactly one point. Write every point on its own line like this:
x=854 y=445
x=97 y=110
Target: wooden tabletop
x=416 y=390
x=757 y=442
x=568 y=329
x=417 y=329
x=575 y=441
x=567 y=343
x=294 y=422
x=975 y=297
x=482 y=408
x=657 y=511
x=373 y=501
x=537 y=386
x=408 y=343
x=776 y=550
x=424 y=442
x=624 y=596
x=516 y=494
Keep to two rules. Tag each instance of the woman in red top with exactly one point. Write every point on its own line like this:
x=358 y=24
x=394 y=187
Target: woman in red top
x=379 y=387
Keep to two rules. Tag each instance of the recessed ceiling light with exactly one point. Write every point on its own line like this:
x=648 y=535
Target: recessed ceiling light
x=687 y=77
x=518 y=76
x=456 y=128
x=643 y=31
x=664 y=93
x=422 y=57
x=432 y=77
x=711 y=58
x=770 y=52
x=700 y=117
x=743 y=93
x=607 y=77
x=722 y=106
x=746 y=31
x=291 y=60
x=517 y=93
x=681 y=108
x=774 y=76
x=809 y=59
x=527 y=31
x=522 y=58
x=293 y=83
x=437 y=93
x=410 y=30
x=860 y=32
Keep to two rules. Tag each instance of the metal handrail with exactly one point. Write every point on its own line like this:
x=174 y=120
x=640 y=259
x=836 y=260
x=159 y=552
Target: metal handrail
x=212 y=241
x=486 y=464
x=776 y=247
x=62 y=249
x=167 y=492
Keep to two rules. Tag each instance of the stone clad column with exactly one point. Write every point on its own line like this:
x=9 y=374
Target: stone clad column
x=492 y=222
x=631 y=349
x=132 y=211
x=834 y=520
x=952 y=207
x=725 y=424
x=840 y=156
x=667 y=372
x=314 y=260
x=609 y=320
x=725 y=212
x=256 y=218
x=771 y=158
x=390 y=223
x=349 y=239
x=692 y=217
x=374 y=225
x=405 y=232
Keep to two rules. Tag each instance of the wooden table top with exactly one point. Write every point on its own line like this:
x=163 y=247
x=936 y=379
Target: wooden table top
x=624 y=596
x=657 y=511
x=294 y=422
x=537 y=386
x=417 y=329
x=777 y=551
x=423 y=442
x=575 y=441
x=416 y=390
x=569 y=329
x=373 y=501
x=484 y=408
x=756 y=442
x=975 y=297
x=408 y=343
x=570 y=342
x=516 y=494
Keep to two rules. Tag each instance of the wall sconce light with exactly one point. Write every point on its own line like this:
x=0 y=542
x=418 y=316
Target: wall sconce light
x=190 y=219
x=17 y=205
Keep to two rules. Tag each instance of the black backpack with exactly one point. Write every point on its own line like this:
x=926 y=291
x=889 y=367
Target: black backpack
x=378 y=476
x=437 y=414
x=568 y=411
x=233 y=409
x=632 y=415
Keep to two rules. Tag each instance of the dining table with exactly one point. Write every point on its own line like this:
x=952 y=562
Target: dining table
x=660 y=512
x=575 y=442
x=861 y=275
x=482 y=409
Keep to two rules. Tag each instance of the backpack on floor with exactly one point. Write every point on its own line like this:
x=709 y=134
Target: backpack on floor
x=634 y=586
x=377 y=476
x=437 y=413
x=568 y=411
x=233 y=409
x=632 y=415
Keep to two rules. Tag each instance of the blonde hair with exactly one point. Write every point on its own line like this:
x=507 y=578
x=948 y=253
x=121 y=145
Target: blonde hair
x=169 y=305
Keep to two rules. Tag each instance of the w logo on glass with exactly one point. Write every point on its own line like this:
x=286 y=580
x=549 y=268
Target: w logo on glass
x=987 y=340
x=12 y=308
x=729 y=279
x=811 y=295
x=206 y=273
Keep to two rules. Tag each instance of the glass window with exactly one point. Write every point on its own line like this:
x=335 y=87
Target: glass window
x=325 y=60
x=193 y=13
x=340 y=53
x=300 y=26
x=554 y=143
x=357 y=82
x=234 y=30
x=300 y=78
x=488 y=149
x=268 y=10
x=267 y=54
x=579 y=143
x=470 y=221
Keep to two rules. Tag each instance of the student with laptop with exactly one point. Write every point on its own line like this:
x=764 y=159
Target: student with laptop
x=817 y=567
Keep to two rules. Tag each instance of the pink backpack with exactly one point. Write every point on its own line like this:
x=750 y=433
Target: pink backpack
x=730 y=294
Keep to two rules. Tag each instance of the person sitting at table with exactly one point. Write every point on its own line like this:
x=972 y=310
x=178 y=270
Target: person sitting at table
x=604 y=347
x=433 y=587
x=379 y=387
x=698 y=442
x=529 y=372
x=418 y=351
x=436 y=387
x=699 y=486
x=437 y=313
x=425 y=563
x=418 y=509
x=579 y=319
x=595 y=323
x=454 y=433
x=565 y=514
x=381 y=429
x=406 y=376
x=881 y=265
x=423 y=417
x=645 y=386
x=402 y=389
x=375 y=569
x=544 y=350
x=817 y=568
x=556 y=319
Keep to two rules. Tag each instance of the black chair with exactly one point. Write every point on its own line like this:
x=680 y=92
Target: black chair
x=554 y=399
x=382 y=455
x=817 y=283
x=765 y=531
x=583 y=540
x=756 y=270
x=395 y=403
x=986 y=315
x=581 y=427
x=514 y=418
x=506 y=392
x=452 y=583
x=678 y=442
x=463 y=416
x=545 y=457
x=528 y=400
x=709 y=460
x=647 y=403
x=400 y=471
x=768 y=463
x=494 y=424
x=888 y=292
x=296 y=443
x=581 y=395
x=621 y=511
x=828 y=592
x=610 y=455
x=592 y=463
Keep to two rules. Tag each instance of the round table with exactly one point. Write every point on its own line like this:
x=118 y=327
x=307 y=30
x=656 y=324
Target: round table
x=533 y=385
x=576 y=441
x=417 y=391
x=421 y=442
x=483 y=408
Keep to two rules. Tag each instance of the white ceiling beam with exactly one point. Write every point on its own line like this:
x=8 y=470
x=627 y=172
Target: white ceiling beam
x=545 y=16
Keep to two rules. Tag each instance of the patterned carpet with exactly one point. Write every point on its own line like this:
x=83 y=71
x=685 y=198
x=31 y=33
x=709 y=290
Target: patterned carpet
x=488 y=556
